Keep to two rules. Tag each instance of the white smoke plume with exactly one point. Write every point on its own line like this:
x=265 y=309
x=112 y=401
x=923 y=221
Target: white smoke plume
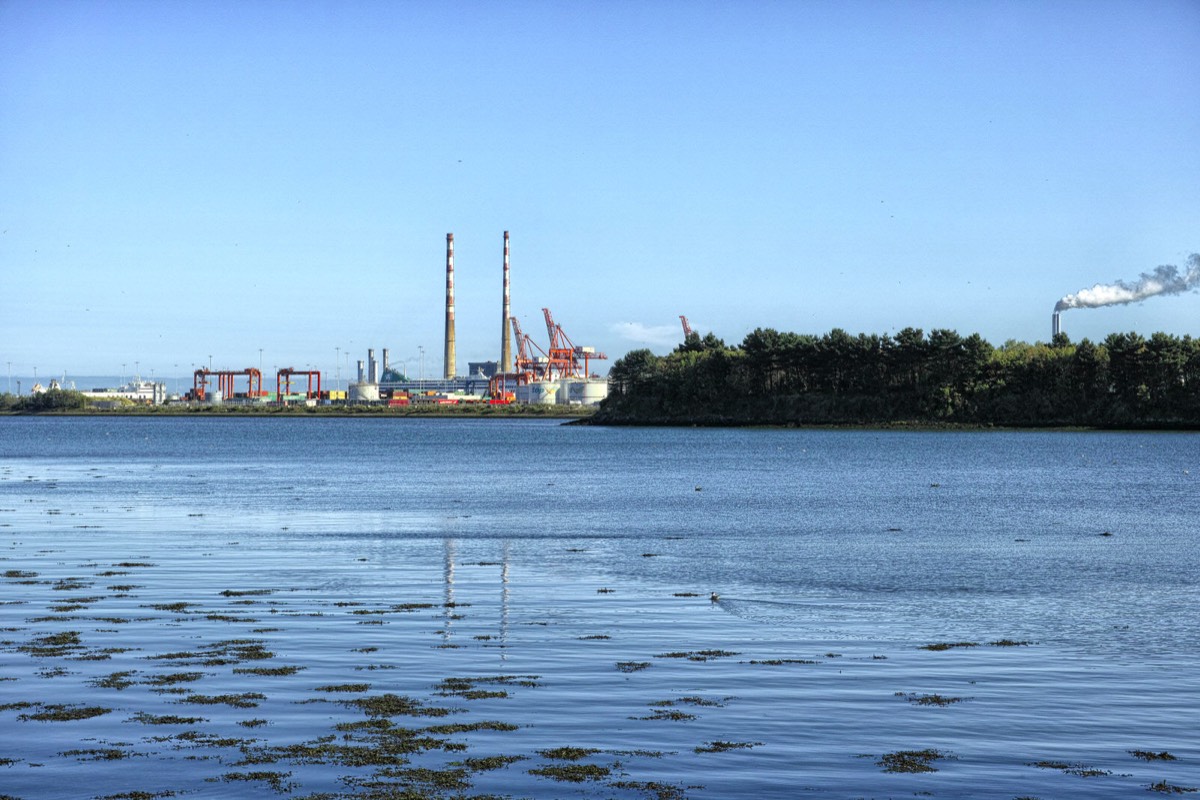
x=1167 y=279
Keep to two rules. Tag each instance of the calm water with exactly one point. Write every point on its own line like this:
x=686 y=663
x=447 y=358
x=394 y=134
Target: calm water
x=564 y=551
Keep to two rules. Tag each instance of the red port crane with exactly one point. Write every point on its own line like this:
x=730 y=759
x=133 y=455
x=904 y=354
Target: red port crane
x=283 y=383
x=225 y=382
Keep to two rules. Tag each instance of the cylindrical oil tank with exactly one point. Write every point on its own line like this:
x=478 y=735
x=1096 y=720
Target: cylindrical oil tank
x=364 y=392
x=587 y=392
x=538 y=392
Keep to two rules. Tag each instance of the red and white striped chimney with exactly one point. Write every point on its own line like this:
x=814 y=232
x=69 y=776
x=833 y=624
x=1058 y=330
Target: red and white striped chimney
x=506 y=364
x=449 y=364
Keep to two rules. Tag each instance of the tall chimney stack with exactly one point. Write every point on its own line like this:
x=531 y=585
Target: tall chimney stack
x=1055 y=326
x=506 y=364
x=449 y=365
x=372 y=374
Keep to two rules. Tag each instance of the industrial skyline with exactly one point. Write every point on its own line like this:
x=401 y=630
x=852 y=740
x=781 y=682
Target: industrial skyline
x=262 y=180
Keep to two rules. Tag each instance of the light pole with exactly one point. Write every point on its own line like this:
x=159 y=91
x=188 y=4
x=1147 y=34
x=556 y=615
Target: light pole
x=337 y=366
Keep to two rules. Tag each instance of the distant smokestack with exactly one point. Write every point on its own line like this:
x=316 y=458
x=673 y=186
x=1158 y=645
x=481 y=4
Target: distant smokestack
x=386 y=363
x=360 y=371
x=1055 y=325
x=1165 y=279
x=505 y=341
x=449 y=365
x=372 y=375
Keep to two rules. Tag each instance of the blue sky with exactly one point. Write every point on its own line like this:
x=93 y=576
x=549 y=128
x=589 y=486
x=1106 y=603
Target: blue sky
x=181 y=180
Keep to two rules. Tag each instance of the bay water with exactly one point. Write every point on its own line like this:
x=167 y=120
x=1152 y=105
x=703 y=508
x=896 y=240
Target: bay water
x=700 y=613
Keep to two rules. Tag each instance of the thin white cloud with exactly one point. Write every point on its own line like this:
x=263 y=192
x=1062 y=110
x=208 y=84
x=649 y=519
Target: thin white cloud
x=661 y=336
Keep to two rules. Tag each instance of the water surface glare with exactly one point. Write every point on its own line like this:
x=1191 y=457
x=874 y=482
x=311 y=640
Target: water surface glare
x=564 y=574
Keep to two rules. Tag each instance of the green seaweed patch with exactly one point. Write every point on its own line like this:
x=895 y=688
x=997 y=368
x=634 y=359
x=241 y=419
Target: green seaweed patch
x=246 y=592
x=671 y=714
x=1169 y=788
x=572 y=773
x=172 y=678
x=178 y=607
x=53 y=645
x=1072 y=769
x=344 y=687
x=1150 y=755
x=722 y=746
x=131 y=564
x=138 y=795
x=64 y=713
x=471 y=727
x=691 y=700
x=276 y=780
x=568 y=753
x=237 y=700
x=19 y=573
x=911 y=760
x=231 y=618
x=939 y=646
x=596 y=637
x=698 y=655
x=930 y=699
x=779 y=662
x=70 y=584
x=114 y=680
x=468 y=688
x=252 y=723
x=489 y=763
x=632 y=666
x=653 y=789
x=272 y=671
x=393 y=705
x=99 y=754
x=1009 y=643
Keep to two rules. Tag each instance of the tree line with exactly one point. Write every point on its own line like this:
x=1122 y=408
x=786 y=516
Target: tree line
x=778 y=378
x=38 y=402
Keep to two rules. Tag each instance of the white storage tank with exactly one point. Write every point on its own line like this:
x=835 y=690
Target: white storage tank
x=587 y=392
x=364 y=393
x=538 y=392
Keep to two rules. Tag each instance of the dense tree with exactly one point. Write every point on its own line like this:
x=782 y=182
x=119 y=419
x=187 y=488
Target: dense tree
x=777 y=377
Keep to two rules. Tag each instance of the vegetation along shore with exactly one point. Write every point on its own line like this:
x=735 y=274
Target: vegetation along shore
x=778 y=378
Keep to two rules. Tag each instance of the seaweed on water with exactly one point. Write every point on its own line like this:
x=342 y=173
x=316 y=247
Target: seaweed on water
x=939 y=646
x=64 y=713
x=930 y=699
x=722 y=747
x=1169 y=788
x=911 y=760
x=242 y=700
x=572 y=773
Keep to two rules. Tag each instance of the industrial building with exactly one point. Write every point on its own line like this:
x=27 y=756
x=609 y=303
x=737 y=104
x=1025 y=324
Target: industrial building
x=558 y=374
